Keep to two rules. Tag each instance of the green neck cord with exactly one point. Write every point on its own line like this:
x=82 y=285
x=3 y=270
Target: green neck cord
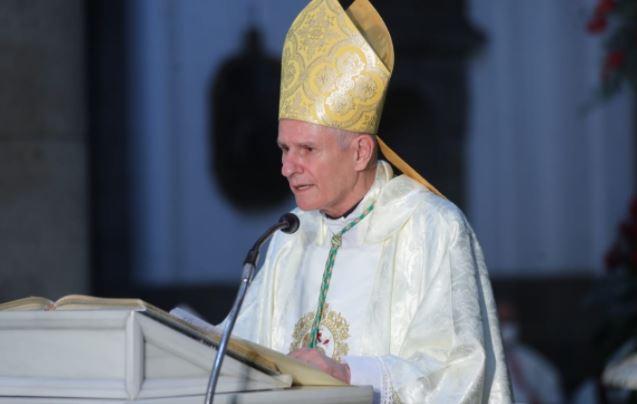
x=327 y=274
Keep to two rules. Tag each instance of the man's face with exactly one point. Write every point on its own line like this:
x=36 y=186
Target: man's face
x=320 y=171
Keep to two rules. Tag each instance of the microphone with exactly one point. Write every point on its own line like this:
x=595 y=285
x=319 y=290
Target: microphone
x=291 y=223
x=288 y=223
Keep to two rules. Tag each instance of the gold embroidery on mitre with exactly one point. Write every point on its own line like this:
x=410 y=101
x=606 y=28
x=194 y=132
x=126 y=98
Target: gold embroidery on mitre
x=333 y=334
x=336 y=66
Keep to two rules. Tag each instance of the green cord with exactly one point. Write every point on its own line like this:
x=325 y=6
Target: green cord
x=337 y=240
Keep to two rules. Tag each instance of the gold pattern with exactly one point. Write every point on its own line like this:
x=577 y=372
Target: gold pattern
x=337 y=241
x=334 y=329
x=336 y=66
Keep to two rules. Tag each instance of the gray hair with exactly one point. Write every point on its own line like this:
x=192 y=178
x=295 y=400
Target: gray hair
x=345 y=138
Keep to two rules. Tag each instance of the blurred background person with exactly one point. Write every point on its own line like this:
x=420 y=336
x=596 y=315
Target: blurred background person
x=534 y=379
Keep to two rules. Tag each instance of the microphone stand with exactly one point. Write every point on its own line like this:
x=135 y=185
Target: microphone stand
x=288 y=223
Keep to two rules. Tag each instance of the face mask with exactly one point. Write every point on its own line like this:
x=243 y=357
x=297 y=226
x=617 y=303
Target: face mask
x=510 y=333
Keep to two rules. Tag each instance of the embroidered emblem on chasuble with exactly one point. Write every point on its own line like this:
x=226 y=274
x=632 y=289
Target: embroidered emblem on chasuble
x=332 y=336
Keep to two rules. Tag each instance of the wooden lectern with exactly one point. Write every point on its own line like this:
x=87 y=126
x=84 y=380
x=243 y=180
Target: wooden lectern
x=136 y=353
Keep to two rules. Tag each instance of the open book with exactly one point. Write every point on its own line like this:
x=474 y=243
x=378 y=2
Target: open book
x=249 y=352
x=74 y=302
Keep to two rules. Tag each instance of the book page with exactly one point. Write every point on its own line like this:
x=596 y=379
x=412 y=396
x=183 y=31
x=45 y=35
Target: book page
x=28 y=303
x=83 y=302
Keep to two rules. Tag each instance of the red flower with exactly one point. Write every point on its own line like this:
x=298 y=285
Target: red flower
x=598 y=21
x=596 y=24
x=613 y=61
x=604 y=7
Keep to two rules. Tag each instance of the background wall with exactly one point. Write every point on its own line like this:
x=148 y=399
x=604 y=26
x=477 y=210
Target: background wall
x=185 y=231
x=547 y=182
x=549 y=177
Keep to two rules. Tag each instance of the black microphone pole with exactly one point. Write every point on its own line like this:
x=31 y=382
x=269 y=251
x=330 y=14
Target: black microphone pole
x=288 y=223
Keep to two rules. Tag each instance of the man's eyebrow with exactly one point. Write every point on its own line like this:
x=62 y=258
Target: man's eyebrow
x=308 y=144
x=312 y=145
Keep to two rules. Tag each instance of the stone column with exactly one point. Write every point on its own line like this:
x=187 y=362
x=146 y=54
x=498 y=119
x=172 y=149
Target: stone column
x=44 y=236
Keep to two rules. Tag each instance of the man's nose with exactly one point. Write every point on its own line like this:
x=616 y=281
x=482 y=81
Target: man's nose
x=289 y=165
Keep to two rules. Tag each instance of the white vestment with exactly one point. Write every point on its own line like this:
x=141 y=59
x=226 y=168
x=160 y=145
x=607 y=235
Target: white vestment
x=409 y=298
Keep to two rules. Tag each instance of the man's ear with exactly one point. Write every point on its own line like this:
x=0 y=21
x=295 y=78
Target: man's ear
x=364 y=149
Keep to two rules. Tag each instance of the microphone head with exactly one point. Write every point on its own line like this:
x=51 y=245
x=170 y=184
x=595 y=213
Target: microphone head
x=291 y=223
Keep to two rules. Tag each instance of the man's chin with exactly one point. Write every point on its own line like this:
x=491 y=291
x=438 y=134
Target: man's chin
x=305 y=205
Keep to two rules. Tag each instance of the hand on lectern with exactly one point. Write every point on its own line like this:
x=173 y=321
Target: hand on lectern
x=319 y=360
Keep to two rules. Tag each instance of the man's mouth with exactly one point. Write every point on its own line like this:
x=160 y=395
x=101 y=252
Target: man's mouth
x=301 y=187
